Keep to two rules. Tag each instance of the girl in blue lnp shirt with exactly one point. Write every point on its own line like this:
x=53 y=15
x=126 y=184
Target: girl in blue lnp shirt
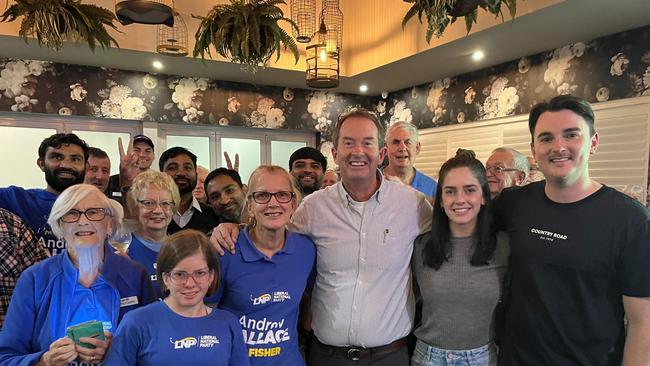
x=181 y=329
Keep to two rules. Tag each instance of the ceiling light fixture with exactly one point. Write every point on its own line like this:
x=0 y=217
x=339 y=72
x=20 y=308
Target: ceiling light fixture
x=478 y=55
x=145 y=11
x=363 y=88
x=322 y=68
x=172 y=41
x=303 y=13
x=157 y=64
x=332 y=18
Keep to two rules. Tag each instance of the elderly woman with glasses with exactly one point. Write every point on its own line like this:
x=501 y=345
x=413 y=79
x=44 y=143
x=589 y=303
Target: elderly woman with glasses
x=264 y=280
x=150 y=205
x=181 y=329
x=85 y=282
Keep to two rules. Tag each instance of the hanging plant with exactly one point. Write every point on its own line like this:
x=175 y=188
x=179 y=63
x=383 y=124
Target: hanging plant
x=245 y=31
x=52 y=22
x=440 y=13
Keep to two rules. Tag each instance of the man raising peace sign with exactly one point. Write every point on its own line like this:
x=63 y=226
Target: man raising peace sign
x=137 y=159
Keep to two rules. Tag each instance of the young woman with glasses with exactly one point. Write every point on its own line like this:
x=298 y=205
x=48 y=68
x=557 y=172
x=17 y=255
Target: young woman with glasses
x=151 y=202
x=181 y=329
x=264 y=280
x=85 y=282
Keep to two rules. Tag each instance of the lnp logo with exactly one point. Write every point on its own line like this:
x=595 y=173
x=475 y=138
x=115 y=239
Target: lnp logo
x=261 y=300
x=186 y=342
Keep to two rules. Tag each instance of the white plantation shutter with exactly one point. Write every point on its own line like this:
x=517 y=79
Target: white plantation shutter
x=621 y=161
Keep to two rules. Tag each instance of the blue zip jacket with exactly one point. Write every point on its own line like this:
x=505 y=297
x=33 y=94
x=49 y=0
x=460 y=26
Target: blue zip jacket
x=42 y=301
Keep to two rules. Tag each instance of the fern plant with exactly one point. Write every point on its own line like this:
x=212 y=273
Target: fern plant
x=52 y=22
x=245 y=31
x=441 y=13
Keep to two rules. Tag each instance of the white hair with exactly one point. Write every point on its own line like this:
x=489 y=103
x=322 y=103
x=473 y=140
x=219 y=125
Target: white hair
x=520 y=160
x=70 y=197
x=409 y=127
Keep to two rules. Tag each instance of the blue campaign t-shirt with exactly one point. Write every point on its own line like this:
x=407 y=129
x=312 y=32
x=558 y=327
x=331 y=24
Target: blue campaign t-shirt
x=156 y=335
x=33 y=206
x=141 y=253
x=265 y=295
x=424 y=184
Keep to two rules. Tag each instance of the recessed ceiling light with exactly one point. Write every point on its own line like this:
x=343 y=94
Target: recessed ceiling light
x=363 y=88
x=478 y=55
x=157 y=64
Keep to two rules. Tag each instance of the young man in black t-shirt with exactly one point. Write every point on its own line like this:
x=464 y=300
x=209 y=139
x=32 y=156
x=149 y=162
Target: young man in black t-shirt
x=579 y=254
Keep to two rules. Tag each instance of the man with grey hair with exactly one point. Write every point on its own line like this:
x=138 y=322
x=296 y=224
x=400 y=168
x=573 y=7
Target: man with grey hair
x=402 y=147
x=506 y=167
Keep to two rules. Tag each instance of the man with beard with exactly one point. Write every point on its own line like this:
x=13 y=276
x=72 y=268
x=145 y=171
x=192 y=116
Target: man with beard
x=180 y=164
x=62 y=157
x=98 y=172
x=137 y=159
x=402 y=147
x=308 y=165
x=226 y=194
x=505 y=168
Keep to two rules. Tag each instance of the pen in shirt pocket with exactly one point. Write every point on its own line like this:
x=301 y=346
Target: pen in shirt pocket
x=386 y=232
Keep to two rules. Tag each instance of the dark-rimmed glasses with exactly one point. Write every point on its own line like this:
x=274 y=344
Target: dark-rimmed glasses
x=151 y=204
x=92 y=214
x=262 y=197
x=181 y=277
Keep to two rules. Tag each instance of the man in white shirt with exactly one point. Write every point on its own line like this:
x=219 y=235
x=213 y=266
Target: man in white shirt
x=364 y=228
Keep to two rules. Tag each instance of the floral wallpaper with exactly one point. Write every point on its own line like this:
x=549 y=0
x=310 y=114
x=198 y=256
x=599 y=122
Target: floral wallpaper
x=44 y=87
x=607 y=68
x=611 y=67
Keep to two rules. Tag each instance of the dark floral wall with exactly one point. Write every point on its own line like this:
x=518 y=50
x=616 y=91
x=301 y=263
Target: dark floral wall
x=611 y=67
x=607 y=68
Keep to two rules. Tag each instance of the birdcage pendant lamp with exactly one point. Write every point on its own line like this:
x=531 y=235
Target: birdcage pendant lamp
x=303 y=13
x=322 y=68
x=332 y=17
x=172 y=41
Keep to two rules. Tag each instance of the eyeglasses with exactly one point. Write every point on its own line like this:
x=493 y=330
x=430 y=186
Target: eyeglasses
x=262 y=197
x=500 y=169
x=151 y=204
x=92 y=214
x=181 y=277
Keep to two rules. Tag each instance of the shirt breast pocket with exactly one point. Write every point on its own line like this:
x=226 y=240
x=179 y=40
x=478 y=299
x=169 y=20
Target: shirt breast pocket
x=392 y=251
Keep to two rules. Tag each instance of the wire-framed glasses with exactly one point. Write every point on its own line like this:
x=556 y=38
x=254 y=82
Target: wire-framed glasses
x=151 y=204
x=181 y=277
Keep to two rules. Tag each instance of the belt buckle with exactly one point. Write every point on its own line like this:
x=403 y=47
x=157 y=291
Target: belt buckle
x=353 y=354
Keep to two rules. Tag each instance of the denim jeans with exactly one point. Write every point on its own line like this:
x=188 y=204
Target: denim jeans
x=425 y=355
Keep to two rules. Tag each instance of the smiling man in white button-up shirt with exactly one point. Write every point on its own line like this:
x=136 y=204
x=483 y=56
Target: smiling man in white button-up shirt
x=364 y=228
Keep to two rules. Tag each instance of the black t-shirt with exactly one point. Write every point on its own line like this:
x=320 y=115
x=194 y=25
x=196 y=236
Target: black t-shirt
x=570 y=265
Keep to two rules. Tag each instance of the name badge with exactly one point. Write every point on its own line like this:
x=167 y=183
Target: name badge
x=128 y=301
x=116 y=194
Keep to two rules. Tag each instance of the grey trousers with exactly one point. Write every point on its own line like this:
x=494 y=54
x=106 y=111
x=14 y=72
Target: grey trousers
x=319 y=355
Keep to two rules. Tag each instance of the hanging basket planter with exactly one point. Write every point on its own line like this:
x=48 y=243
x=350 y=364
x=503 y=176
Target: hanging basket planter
x=441 y=13
x=245 y=32
x=53 y=22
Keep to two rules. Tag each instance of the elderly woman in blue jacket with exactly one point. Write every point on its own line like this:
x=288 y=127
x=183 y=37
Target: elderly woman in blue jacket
x=87 y=281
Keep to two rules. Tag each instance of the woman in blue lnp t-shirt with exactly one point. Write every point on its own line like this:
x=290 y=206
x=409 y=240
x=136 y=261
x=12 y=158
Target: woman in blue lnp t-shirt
x=264 y=280
x=181 y=329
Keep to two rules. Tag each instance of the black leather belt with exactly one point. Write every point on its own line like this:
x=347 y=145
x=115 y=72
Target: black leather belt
x=355 y=353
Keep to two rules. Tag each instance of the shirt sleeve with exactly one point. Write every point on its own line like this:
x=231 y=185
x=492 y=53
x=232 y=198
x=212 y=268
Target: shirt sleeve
x=126 y=344
x=239 y=352
x=300 y=220
x=633 y=268
x=16 y=337
x=425 y=215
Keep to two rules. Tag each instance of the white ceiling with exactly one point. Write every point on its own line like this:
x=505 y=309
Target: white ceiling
x=545 y=29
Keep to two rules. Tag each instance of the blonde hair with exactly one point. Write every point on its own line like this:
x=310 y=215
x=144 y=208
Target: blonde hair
x=297 y=195
x=70 y=197
x=145 y=180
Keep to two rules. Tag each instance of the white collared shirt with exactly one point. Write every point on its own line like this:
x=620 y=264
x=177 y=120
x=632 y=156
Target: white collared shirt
x=362 y=295
x=184 y=219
